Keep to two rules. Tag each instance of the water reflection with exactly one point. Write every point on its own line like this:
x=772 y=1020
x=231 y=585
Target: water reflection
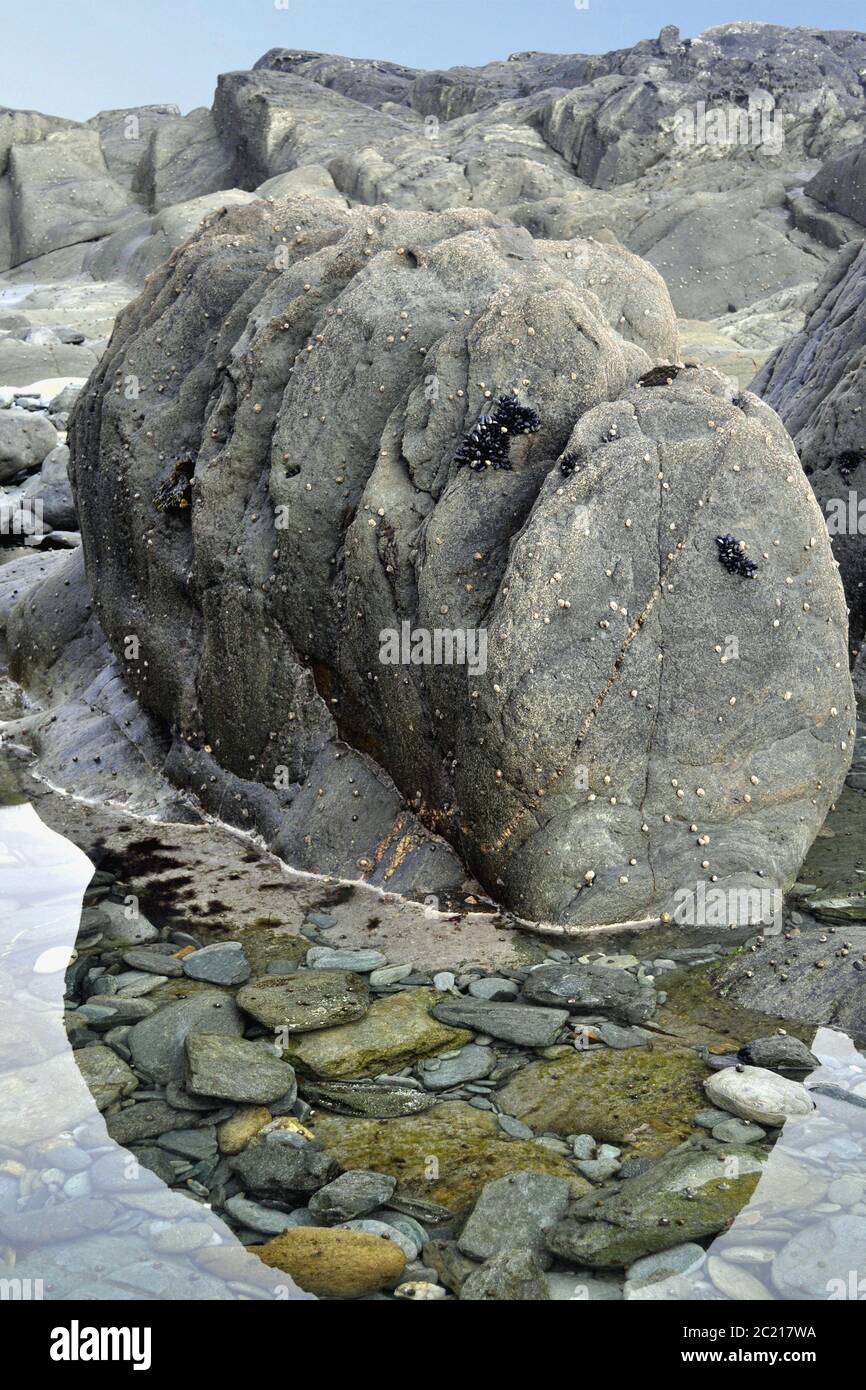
x=803 y=1233
x=80 y=1218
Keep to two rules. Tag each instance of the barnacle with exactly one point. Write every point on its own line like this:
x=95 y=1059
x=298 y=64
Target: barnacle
x=487 y=445
x=732 y=557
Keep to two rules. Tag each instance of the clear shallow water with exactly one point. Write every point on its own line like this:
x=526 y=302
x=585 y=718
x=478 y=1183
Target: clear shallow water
x=79 y=1216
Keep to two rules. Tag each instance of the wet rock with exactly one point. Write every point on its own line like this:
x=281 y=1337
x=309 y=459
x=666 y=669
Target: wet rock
x=223 y=963
x=335 y=1264
x=472 y=1063
x=495 y=990
x=25 y=440
x=647 y=1100
x=194 y=1144
x=753 y=1093
x=817 y=1262
x=591 y=989
x=256 y=1217
x=653 y=1269
x=107 y=1076
x=57 y=1222
x=305 y=1000
x=367 y=1099
x=512 y=1275
x=157 y=1043
x=146 y=1120
x=280 y=1171
x=352 y=1194
x=396 y=1032
x=330 y=958
x=157 y=962
x=234 y=1069
x=682 y=1198
x=612 y=1035
x=582 y=1288
x=410 y=1246
x=466 y=1143
x=512 y=1213
x=781 y=1052
x=234 y=1134
x=516 y=1023
x=453 y=1269
x=737 y=1132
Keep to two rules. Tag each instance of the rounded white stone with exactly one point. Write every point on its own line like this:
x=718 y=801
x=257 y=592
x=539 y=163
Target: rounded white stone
x=754 y=1093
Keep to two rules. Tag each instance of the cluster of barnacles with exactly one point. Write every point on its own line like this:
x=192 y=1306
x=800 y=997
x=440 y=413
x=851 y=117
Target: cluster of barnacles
x=568 y=464
x=175 y=494
x=488 y=443
x=731 y=555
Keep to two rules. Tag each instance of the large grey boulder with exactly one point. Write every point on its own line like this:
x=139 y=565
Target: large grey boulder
x=817 y=383
x=25 y=440
x=290 y=473
x=62 y=193
x=183 y=159
x=52 y=490
x=125 y=135
x=144 y=244
x=840 y=185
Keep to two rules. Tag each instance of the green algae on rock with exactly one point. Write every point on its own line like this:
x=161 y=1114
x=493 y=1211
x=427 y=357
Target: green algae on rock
x=445 y=1155
x=395 y=1033
x=305 y=1000
x=647 y=1099
x=683 y=1197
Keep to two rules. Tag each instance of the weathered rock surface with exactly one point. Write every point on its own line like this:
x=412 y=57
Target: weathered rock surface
x=305 y=1001
x=287 y=624
x=157 y=1043
x=511 y=1275
x=591 y=989
x=466 y=1144
x=754 y=1093
x=817 y=383
x=335 y=1264
x=62 y=193
x=52 y=491
x=682 y=1198
x=840 y=185
x=645 y=1100
x=234 y=1069
x=396 y=1032
x=26 y=440
x=513 y=1213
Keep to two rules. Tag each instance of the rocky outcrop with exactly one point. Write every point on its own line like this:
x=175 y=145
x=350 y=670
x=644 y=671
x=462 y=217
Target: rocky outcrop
x=693 y=152
x=817 y=383
x=62 y=193
x=840 y=185
x=284 y=499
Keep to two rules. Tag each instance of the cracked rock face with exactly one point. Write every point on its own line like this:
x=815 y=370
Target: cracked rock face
x=268 y=489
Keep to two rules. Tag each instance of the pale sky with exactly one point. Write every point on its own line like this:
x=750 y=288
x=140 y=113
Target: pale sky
x=76 y=57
